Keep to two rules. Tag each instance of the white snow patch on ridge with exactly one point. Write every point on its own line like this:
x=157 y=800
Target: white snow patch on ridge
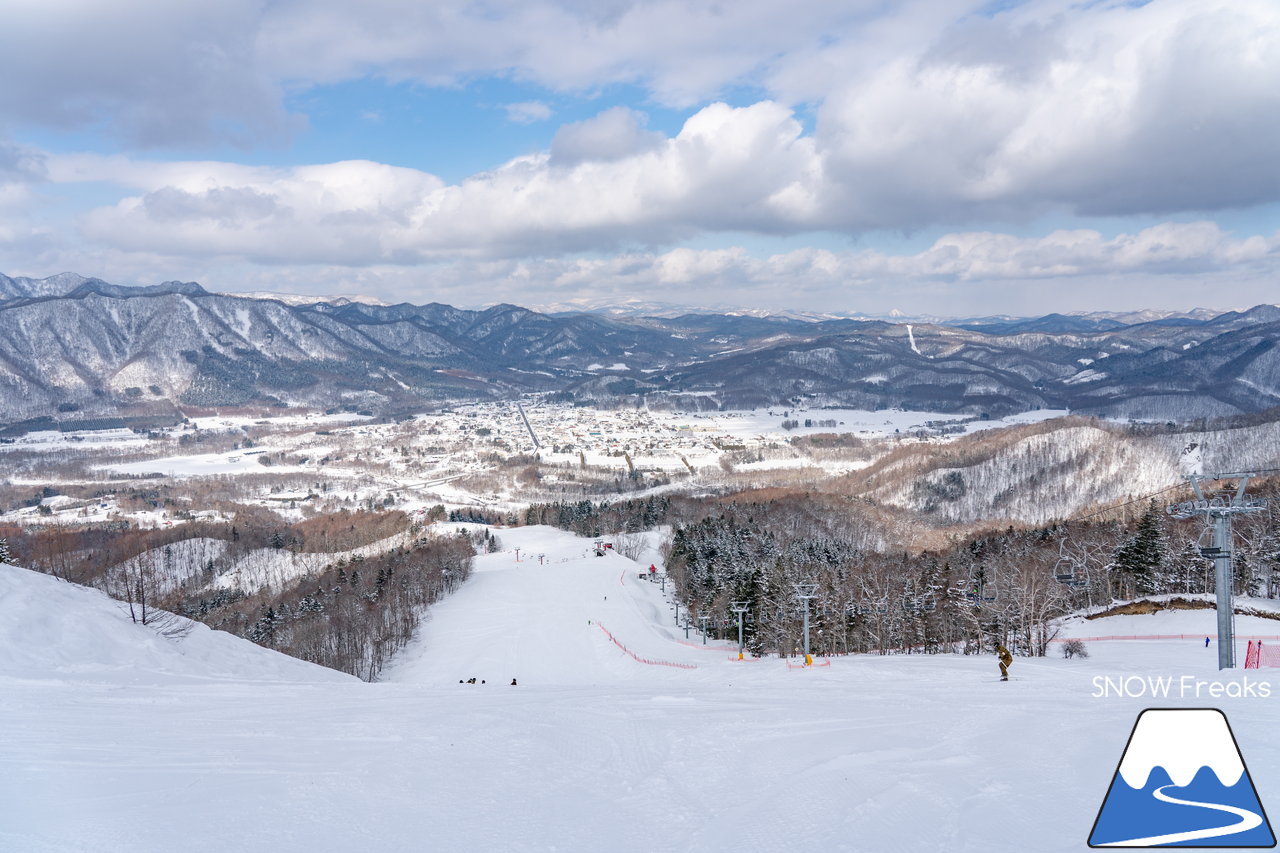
x=1085 y=376
x=912 y=337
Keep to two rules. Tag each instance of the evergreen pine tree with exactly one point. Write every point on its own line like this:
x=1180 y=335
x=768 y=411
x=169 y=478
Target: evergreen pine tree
x=263 y=632
x=5 y=556
x=1142 y=557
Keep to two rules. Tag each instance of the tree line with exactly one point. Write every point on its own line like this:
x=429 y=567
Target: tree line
x=998 y=586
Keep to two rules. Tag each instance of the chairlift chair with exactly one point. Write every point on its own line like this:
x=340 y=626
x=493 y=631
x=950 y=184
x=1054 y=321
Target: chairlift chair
x=1064 y=571
x=978 y=588
x=1204 y=542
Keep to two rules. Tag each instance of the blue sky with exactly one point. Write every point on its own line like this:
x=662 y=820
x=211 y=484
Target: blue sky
x=969 y=157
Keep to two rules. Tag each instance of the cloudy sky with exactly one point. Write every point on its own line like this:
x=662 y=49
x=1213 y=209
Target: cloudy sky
x=930 y=156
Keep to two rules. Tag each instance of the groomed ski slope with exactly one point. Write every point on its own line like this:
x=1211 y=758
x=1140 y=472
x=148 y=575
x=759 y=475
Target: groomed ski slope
x=592 y=751
x=544 y=621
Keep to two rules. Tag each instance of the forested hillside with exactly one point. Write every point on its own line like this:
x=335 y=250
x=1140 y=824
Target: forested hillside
x=997 y=585
x=1050 y=471
x=345 y=591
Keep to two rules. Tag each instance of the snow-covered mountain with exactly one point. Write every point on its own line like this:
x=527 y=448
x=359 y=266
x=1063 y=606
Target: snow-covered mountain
x=300 y=299
x=82 y=349
x=55 y=285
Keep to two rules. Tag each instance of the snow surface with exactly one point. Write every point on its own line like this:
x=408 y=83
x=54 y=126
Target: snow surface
x=593 y=750
x=202 y=465
x=52 y=631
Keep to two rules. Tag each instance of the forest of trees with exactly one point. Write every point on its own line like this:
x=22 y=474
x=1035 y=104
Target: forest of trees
x=354 y=614
x=590 y=519
x=1003 y=586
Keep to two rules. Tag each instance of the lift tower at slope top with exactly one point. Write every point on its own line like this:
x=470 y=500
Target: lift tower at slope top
x=1219 y=509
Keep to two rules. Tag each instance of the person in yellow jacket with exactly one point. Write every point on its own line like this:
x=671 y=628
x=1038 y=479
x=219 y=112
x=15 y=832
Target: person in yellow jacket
x=1006 y=661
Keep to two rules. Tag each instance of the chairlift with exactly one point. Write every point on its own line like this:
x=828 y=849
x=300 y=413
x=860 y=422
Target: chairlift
x=1069 y=578
x=977 y=596
x=1064 y=571
x=1206 y=545
x=919 y=604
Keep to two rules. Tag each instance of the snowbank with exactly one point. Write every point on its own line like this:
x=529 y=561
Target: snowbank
x=55 y=630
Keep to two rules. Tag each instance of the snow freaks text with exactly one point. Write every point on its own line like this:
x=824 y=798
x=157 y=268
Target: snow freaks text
x=1180 y=687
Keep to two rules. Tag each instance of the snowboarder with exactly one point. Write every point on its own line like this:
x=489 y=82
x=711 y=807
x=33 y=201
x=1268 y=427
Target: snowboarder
x=1006 y=661
x=471 y=680
x=513 y=682
x=1206 y=642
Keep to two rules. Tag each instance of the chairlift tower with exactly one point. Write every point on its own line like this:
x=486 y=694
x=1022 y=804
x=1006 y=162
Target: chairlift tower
x=805 y=591
x=739 y=607
x=1220 y=509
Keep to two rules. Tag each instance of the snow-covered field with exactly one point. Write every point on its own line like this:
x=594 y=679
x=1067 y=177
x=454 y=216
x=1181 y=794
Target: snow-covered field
x=885 y=422
x=115 y=739
x=198 y=465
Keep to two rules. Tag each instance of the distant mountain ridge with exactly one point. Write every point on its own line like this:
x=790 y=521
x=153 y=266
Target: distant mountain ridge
x=74 y=348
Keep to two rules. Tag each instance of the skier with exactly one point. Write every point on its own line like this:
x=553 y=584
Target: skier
x=1006 y=661
x=1206 y=642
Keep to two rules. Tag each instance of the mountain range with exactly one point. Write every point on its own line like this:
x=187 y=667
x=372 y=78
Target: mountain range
x=75 y=349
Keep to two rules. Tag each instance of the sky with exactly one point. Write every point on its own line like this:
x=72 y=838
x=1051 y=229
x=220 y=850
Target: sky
x=944 y=157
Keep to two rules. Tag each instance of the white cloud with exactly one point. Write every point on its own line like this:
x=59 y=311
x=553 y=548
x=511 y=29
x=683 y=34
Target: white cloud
x=1169 y=265
x=1116 y=109
x=20 y=163
x=741 y=168
x=527 y=112
x=616 y=133
x=871 y=117
x=348 y=213
x=1163 y=108
x=682 y=52
x=152 y=71
x=928 y=110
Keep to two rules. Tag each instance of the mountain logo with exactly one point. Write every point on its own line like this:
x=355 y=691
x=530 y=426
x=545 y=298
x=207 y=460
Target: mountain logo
x=1182 y=782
